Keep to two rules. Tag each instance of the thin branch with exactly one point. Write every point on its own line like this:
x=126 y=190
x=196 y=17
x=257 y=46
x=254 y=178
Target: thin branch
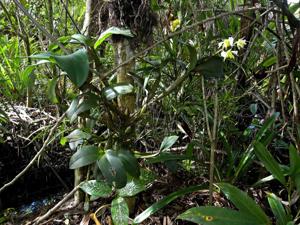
x=36 y=156
x=39 y=219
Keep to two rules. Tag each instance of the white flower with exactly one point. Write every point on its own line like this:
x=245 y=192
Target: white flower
x=229 y=54
x=240 y=43
x=226 y=43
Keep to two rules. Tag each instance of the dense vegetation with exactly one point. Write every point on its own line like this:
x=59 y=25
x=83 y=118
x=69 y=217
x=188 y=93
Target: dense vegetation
x=168 y=112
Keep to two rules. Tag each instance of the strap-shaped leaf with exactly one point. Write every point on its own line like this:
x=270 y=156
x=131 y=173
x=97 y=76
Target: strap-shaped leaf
x=278 y=210
x=84 y=156
x=294 y=161
x=165 y=201
x=217 y=216
x=244 y=203
x=119 y=211
x=76 y=65
x=269 y=162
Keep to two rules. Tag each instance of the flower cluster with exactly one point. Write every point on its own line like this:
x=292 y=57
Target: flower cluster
x=227 y=46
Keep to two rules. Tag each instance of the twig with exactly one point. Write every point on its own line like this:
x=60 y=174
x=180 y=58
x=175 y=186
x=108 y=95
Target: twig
x=36 y=156
x=39 y=219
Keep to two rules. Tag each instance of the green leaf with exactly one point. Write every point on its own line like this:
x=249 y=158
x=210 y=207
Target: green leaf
x=110 y=31
x=168 y=142
x=76 y=65
x=294 y=161
x=84 y=156
x=210 y=67
x=89 y=101
x=269 y=162
x=51 y=90
x=112 y=169
x=119 y=211
x=118 y=168
x=269 y=61
x=266 y=126
x=96 y=188
x=76 y=138
x=253 y=108
x=72 y=108
x=210 y=215
x=244 y=203
x=278 y=210
x=80 y=39
x=130 y=163
x=165 y=201
x=135 y=186
x=116 y=90
x=45 y=55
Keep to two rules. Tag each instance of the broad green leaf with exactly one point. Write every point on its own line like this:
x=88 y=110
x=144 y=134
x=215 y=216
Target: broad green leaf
x=244 y=203
x=51 y=90
x=165 y=201
x=96 y=188
x=168 y=142
x=112 y=169
x=116 y=90
x=269 y=162
x=110 y=31
x=135 y=186
x=119 y=211
x=210 y=67
x=118 y=168
x=84 y=156
x=278 y=210
x=130 y=163
x=76 y=65
x=210 y=215
x=106 y=169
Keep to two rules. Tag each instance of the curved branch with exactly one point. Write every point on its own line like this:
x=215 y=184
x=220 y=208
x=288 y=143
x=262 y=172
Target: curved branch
x=35 y=157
